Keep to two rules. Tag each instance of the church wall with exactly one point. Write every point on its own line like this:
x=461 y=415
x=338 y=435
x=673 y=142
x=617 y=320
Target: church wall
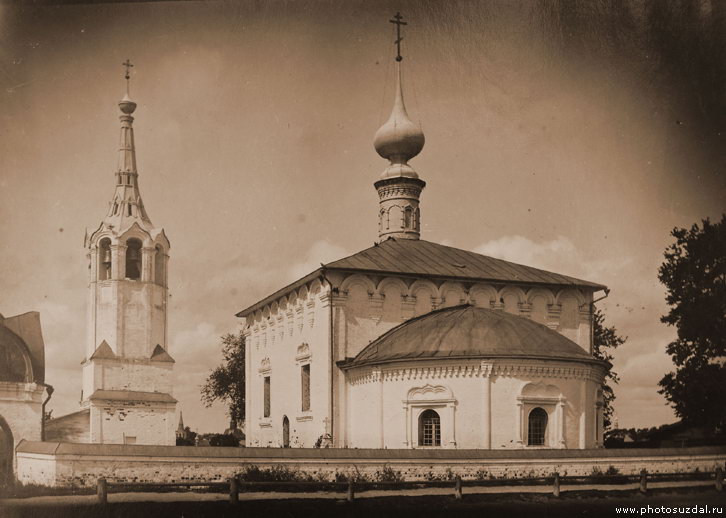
x=127 y=374
x=372 y=305
x=385 y=413
x=129 y=315
x=137 y=375
x=365 y=422
x=364 y=308
x=76 y=465
x=114 y=422
x=280 y=341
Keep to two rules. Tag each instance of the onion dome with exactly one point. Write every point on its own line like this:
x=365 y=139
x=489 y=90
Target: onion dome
x=126 y=105
x=399 y=139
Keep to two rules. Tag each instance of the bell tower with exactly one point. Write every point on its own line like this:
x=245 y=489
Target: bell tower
x=127 y=371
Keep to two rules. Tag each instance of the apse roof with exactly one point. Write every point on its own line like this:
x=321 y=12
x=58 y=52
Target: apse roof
x=464 y=332
x=420 y=258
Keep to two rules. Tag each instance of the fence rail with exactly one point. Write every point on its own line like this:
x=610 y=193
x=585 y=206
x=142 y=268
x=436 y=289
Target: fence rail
x=350 y=486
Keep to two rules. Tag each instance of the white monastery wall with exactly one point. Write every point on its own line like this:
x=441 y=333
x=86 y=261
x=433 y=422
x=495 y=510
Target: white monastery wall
x=59 y=465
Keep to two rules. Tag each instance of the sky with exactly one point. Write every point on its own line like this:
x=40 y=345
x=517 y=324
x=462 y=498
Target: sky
x=567 y=136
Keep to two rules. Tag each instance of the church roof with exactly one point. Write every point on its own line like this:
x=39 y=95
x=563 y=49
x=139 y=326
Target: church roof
x=419 y=258
x=427 y=259
x=103 y=352
x=160 y=355
x=467 y=332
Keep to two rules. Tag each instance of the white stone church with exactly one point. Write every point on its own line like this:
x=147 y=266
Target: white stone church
x=412 y=344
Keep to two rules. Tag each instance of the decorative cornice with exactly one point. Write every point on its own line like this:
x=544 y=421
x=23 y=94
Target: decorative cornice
x=474 y=370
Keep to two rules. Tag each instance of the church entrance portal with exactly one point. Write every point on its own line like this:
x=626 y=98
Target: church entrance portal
x=6 y=454
x=285 y=432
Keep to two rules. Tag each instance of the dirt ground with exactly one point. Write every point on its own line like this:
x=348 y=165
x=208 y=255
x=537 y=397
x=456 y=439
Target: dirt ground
x=585 y=503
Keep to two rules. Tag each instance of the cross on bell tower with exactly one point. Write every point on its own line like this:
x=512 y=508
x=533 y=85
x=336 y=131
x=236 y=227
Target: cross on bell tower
x=127 y=64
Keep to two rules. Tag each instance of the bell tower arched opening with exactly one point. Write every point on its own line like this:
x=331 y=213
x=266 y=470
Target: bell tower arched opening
x=104 y=259
x=133 y=259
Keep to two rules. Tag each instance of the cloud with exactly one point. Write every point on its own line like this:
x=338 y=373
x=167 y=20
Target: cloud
x=321 y=251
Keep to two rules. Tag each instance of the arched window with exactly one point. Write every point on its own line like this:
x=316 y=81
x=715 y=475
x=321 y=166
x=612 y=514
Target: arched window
x=429 y=428
x=537 y=427
x=133 y=259
x=407 y=217
x=159 y=266
x=104 y=259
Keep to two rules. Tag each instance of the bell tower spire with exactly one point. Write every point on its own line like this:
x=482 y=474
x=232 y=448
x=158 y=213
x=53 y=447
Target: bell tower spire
x=126 y=205
x=399 y=140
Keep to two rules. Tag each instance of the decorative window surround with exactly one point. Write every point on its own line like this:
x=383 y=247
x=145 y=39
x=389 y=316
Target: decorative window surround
x=555 y=408
x=438 y=398
x=265 y=422
x=265 y=366
x=303 y=354
x=305 y=416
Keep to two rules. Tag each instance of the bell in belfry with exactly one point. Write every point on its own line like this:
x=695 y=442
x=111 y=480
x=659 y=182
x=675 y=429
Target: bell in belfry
x=133 y=254
x=106 y=257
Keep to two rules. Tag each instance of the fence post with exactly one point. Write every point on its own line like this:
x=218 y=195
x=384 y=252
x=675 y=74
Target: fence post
x=233 y=491
x=102 y=491
x=351 y=494
x=457 y=487
x=643 y=481
x=556 y=485
x=719 y=479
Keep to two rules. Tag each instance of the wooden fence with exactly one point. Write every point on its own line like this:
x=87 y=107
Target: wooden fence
x=350 y=486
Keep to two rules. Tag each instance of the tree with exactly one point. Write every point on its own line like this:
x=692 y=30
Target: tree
x=694 y=273
x=227 y=382
x=605 y=339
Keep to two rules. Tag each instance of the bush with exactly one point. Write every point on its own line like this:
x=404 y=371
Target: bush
x=273 y=474
x=387 y=474
x=220 y=439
